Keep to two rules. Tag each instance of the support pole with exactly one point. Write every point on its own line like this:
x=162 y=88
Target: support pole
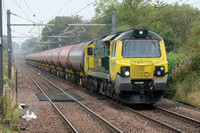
x=9 y=42
x=1 y=60
x=113 y=21
x=16 y=85
x=78 y=34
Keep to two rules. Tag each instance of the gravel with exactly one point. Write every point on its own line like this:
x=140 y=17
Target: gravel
x=49 y=121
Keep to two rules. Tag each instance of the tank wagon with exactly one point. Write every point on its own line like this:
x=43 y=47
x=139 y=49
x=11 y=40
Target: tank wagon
x=129 y=66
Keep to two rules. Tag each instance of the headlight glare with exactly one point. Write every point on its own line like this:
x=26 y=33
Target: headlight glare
x=127 y=73
x=162 y=68
x=158 y=73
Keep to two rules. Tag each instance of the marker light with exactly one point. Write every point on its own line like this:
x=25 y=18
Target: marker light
x=161 y=68
x=158 y=73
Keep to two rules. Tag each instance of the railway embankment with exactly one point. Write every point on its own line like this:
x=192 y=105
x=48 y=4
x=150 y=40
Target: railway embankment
x=10 y=117
x=184 y=72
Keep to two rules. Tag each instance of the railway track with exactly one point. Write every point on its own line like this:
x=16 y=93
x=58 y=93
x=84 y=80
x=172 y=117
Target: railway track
x=191 y=125
x=73 y=129
x=108 y=125
x=170 y=127
x=179 y=116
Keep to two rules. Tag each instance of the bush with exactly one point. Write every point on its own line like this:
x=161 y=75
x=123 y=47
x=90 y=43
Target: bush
x=180 y=67
x=196 y=62
x=11 y=113
x=184 y=81
x=188 y=90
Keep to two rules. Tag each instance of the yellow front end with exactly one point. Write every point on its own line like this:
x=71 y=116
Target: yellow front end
x=141 y=78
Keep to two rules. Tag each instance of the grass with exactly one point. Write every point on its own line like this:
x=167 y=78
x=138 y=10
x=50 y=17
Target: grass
x=188 y=90
x=184 y=78
x=9 y=119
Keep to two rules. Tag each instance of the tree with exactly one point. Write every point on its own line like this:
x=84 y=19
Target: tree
x=61 y=23
x=30 y=43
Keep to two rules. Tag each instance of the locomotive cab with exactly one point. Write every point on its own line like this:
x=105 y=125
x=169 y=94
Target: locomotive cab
x=138 y=66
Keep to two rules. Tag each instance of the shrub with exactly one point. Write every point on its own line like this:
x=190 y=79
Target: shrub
x=174 y=60
x=188 y=90
x=11 y=113
x=182 y=69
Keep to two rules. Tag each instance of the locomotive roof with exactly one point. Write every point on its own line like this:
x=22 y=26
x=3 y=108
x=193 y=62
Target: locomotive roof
x=129 y=34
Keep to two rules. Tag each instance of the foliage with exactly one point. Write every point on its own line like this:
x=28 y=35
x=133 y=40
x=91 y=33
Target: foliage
x=166 y=33
x=105 y=8
x=172 y=22
x=174 y=60
x=61 y=23
x=180 y=66
x=188 y=90
x=30 y=43
x=11 y=113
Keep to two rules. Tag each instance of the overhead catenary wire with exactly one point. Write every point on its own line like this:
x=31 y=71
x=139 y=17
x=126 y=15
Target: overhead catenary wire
x=22 y=10
x=84 y=7
x=94 y=19
x=23 y=18
x=31 y=10
x=22 y=33
x=61 y=9
x=39 y=28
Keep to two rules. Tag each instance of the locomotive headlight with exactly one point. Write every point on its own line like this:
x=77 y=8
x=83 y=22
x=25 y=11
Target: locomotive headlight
x=159 y=71
x=125 y=71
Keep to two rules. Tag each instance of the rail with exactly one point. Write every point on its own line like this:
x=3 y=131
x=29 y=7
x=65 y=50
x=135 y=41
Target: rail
x=115 y=129
x=66 y=120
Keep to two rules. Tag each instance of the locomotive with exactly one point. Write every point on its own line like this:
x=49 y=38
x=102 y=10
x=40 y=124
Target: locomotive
x=129 y=66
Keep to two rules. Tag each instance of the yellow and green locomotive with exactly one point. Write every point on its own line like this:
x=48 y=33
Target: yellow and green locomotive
x=129 y=66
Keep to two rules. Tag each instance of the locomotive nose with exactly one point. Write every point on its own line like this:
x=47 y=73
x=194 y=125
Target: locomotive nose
x=142 y=71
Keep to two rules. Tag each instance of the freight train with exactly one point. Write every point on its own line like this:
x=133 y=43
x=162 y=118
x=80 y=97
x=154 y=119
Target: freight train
x=129 y=66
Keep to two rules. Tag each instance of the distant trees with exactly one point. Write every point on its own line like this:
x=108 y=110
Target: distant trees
x=172 y=22
x=30 y=43
x=61 y=23
x=5 y=45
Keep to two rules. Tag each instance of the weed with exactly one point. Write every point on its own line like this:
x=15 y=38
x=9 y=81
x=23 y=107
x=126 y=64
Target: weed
x=11 y=113
x=188 y=90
